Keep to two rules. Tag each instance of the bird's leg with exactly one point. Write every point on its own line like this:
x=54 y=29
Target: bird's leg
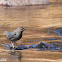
x=13 y=44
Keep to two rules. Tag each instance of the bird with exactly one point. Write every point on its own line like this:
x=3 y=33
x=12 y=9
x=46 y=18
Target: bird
x=15 y=35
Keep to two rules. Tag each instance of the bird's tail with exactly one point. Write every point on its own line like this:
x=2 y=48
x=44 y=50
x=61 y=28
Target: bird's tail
x=6 y=33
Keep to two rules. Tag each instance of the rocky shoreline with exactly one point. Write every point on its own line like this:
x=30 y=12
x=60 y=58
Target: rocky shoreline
x=22 y=2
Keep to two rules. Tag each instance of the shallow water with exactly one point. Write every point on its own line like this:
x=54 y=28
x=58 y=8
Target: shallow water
x=9 y=56
x=37 y=20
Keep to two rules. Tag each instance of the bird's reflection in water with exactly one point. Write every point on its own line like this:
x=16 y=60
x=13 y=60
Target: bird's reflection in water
x=15 y=56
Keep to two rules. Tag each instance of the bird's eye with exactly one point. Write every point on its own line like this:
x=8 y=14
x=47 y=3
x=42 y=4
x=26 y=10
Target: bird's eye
x=15 y=33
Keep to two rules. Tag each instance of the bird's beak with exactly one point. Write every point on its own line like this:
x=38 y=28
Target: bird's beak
x=25 y=29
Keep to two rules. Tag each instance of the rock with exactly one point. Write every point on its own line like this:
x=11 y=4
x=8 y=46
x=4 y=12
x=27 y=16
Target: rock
x=44 y=45
x=32 y=46
x=21 y=47
x=23 y=2
x=41 y=45
x=58 y=31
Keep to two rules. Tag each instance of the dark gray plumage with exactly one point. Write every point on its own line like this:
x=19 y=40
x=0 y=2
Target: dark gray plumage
x=14 y=35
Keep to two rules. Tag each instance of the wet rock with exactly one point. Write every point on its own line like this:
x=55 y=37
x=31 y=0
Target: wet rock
x=32 y=46
x=41 y=46
x=58 y=31
x=44 y=45
x=8 y=47
x=21 y=47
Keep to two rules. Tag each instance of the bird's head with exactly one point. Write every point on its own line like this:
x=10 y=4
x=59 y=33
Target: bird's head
x=22 y=29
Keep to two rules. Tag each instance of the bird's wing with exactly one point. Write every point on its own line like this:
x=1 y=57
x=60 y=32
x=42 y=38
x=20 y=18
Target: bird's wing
x=12 y=35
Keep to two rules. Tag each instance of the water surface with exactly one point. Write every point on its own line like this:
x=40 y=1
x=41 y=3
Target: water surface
x=36 y=19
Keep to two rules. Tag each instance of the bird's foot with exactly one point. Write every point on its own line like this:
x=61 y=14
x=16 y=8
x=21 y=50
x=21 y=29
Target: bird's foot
x=12 y=48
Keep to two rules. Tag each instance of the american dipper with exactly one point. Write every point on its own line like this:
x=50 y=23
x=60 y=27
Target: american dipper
x=14 y=35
